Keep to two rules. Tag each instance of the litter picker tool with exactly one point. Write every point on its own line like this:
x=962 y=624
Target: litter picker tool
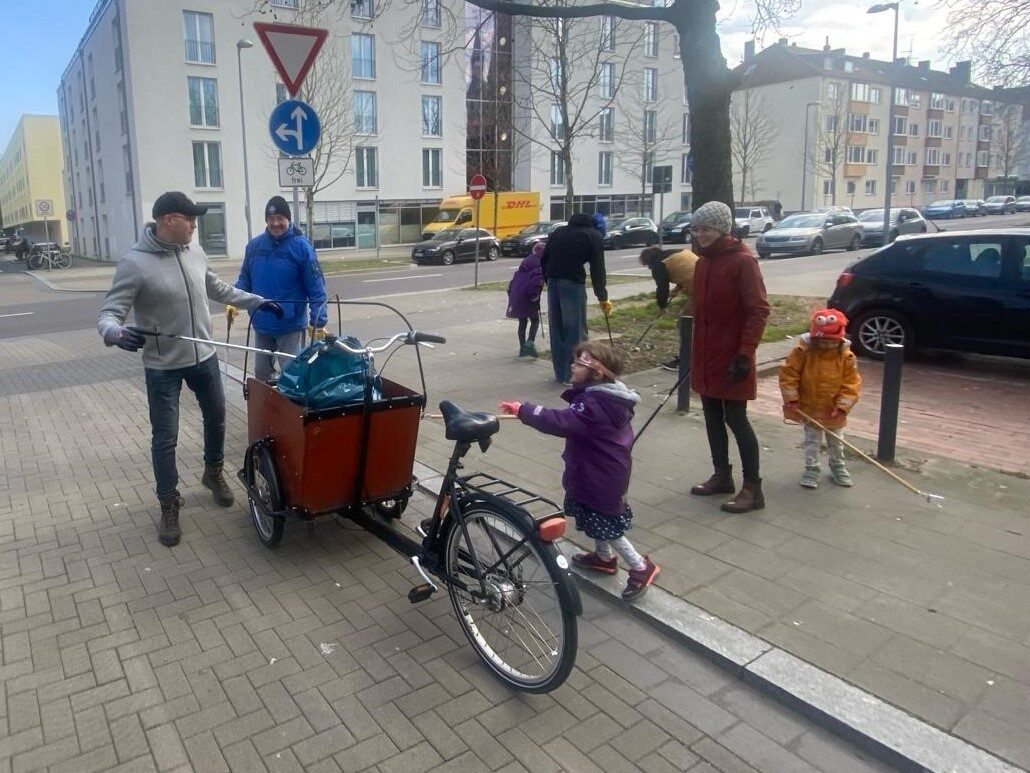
x=934 y=499
x=636 y=346
x=661 y=405
x=215 y=343
x=608 y=324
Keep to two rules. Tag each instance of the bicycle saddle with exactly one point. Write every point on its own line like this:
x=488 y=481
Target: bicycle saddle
x=465 y=426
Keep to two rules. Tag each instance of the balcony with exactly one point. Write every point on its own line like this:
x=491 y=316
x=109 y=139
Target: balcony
x=854 y=170
x=200 y=51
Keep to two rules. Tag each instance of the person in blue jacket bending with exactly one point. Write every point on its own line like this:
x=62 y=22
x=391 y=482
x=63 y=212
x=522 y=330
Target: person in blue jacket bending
x=281 y=264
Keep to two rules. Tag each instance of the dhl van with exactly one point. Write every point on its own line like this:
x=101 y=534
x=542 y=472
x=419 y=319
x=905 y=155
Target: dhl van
x=514 y=211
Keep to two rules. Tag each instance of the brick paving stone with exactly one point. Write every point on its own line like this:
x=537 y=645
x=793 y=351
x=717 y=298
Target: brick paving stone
x=719 y=756
x=242 y=756
x=323 y=744
x=204 y=753
x=367 y=753
x=446 y=742
x=482 y=743
x=569 y=757
x=103 y=758
x=166 y=747
x=130 y=741
x=640 y=740
x=414 y=760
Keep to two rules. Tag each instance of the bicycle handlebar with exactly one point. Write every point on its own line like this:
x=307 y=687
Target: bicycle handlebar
x=408 y=337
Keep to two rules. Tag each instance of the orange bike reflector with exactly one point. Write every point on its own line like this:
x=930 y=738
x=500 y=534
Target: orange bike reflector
x=551 y=528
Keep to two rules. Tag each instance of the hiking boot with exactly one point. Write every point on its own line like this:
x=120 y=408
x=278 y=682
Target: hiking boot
x=168 y=533
x=215 y=480
x=749 y=498
x=531 y=349
x=721 y=482
x=594 y=563
x=810 y=477
x=841 y=476
x=673 y=365
x=523 y=352
x=639 y=579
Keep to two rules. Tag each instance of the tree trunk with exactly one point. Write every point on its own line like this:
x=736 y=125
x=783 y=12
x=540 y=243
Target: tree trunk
x=570 y=189
x=709 y=86
x=309 y=213
x=743 y=183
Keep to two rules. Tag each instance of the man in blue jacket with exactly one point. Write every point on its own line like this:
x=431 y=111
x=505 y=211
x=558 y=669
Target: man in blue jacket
x=281 y=264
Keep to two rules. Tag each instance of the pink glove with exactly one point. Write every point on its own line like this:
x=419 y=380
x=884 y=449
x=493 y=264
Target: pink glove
x=510 y=407
x=836 y=413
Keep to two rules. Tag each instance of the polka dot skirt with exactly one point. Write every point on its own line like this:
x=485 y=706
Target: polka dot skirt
x=599 y=525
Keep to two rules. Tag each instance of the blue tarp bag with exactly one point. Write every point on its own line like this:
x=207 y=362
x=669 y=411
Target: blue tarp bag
x=325 y=376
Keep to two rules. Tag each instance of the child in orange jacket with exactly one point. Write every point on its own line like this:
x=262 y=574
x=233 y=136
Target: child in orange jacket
x=820 y=379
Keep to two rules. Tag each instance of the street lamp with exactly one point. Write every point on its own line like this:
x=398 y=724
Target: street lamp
x=240 y=45
x=880 y=8
x=804 y=156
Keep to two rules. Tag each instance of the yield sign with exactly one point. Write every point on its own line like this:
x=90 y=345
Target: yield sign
x=292 y=49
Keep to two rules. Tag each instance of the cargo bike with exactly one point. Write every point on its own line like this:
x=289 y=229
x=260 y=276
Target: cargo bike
x=490 y=543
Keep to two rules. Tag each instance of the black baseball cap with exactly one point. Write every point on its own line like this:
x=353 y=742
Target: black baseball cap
x=175 y=202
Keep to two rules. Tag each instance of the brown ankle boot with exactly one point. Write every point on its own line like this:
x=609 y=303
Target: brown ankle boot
x=749 y=498
x=721 y=482
x=215 y=480
x=168 y=533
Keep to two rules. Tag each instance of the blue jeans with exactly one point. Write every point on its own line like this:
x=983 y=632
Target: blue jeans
x=163 y=389
x=567 y=316
x=265 y=364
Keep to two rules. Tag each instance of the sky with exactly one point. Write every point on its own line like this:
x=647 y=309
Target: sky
x=40 y=39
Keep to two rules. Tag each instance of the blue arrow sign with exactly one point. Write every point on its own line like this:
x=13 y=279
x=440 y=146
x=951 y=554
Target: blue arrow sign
x=294 y=127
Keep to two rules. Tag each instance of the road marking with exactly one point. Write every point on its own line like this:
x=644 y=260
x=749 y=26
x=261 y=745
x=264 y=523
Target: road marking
x=19 y=314
x=397 y=278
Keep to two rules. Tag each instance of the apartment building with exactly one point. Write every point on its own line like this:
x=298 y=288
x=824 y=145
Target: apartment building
x=31 y=178
x=151 y=101
x=832 y=129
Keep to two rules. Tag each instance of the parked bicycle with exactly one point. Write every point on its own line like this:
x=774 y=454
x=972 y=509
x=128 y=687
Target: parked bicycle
x=48 y=257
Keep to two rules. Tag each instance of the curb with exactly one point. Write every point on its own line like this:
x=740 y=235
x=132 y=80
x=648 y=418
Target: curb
x=888 y=733
x=43 y=280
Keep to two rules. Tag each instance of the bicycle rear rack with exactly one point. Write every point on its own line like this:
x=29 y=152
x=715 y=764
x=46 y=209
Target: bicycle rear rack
x=537 y=506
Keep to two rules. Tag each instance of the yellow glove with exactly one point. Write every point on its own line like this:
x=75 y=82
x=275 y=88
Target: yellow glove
x=606 y=307
x=316 y=333
x=230 y=314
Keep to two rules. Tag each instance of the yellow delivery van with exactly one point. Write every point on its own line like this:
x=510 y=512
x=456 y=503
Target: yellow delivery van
x=514 y=211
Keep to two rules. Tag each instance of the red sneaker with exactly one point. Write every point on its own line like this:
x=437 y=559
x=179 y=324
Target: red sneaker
x=594 y=563
x=639 y=579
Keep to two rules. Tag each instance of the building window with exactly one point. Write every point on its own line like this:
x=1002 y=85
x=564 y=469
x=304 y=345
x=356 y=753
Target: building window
x=365 y=121
x=650 y=84
x=913 y=129
x=127 y=165
x=933 y=156
x=948 y=132
x=650 y=126
x=557 y=169
x=827 y=187
x=685 y=175
x=367 y=167
x=606 y=80
x=362 y=9
x=849 y=188
x=285 y=3
x=946 y=159
x=117 y=39
x=929 y=186
x=430 y=15
x=832 y=91
x=945 y=186
x=872 y=155
x=831 y=123
x=100 y=181
x=198 y=31
x=651 y=39
x=934 y=128
x=430 y=62
x=123 y=114
x=985 y=132
x=604 y=167
x=207 y=165
x=910 y=158
x=648 y=168
x=900 y=125
x=211 y=230
x=203 y=101
x=686 y=129
x=910 y=186
x=982 y=158
x=363 y=55
x=554 y=67
x=432 y=168
x=607 y=33
x=432 y=123
x=606 y=125
x=949 y=104
x=863 y=92
x=870 y=187
x=557 y=124
x=936 y=101
x=855 y=154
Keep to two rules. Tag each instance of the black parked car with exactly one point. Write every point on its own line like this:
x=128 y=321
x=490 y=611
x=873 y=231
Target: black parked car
x=963 y=290
x=454 y=244
x=676 y=227
x=632 y=231
x=521 y=244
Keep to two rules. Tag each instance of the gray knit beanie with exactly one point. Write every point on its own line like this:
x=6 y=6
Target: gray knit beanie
x=715 y=215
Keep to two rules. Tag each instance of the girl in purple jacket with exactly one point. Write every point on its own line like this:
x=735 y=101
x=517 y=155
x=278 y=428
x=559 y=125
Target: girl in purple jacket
x=524 y=299
x=598 y=432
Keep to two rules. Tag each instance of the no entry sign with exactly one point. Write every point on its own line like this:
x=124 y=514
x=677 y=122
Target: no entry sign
x=477 y=186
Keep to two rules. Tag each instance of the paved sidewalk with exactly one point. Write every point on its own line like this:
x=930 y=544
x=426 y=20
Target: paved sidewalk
x=119 y=654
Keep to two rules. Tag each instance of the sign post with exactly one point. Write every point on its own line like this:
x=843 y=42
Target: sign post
x=661 y=183
x=44 y=208
x=477 y=189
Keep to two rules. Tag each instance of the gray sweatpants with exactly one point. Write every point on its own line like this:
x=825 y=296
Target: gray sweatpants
x=834 y=446
x=264 y=364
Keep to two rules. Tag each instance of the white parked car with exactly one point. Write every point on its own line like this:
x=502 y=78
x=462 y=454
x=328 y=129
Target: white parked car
x=752 y=220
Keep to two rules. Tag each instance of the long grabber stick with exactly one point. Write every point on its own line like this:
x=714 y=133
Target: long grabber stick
x=661 y=405
x=216 y=343
x=636 y=346
x=934 y=499
x=608 y=324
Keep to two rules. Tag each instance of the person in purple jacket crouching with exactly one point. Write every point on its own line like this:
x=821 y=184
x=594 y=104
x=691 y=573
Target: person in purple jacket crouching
x=598 y=432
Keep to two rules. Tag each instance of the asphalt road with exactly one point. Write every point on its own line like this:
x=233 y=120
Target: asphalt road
x=28 y=307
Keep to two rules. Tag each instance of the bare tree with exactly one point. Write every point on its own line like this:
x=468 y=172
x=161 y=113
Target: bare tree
x=708 y=79
x=994 y=35
x=647 y=132
x=753 y=133
x=1009 y=142
x=826 y=158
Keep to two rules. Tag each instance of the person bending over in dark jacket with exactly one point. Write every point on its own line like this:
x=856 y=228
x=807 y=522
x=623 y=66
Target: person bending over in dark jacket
x=675 y=268
x=281 y=264
x=568 y=250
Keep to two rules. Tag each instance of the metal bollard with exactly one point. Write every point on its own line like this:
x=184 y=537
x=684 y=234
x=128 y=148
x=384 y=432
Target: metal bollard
x=890 y=395
x=686 y=328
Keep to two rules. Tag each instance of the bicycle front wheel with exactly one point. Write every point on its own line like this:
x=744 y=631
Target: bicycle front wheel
x=505 y=585
x=62 y=260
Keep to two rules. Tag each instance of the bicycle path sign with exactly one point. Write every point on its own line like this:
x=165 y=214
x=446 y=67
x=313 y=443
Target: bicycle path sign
x=297 y=172
x=294 y=127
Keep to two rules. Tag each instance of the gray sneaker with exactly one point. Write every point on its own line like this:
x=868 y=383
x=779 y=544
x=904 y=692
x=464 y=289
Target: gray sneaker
x=810 y=477
x=841 y=476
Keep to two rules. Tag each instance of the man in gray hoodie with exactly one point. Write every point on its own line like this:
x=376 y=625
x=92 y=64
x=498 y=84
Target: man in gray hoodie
x=166 y=283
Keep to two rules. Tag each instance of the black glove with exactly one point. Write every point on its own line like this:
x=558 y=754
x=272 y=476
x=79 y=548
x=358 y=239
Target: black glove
x=272 y=307
x=740 y=367
x=126 y=338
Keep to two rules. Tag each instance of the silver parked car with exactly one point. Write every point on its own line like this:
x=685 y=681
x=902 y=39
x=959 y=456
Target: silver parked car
x=809 y=233
x=903 y=221
x=1001 y=205
x=1023 y=204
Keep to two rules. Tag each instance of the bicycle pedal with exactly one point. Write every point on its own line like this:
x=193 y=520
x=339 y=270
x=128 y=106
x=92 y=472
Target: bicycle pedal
x=420 y=593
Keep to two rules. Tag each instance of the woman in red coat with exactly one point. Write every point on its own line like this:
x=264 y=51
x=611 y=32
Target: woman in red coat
x=730 y=310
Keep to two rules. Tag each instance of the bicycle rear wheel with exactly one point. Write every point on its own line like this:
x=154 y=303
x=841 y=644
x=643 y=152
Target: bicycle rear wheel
x=518 y=619
x=62 y=259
